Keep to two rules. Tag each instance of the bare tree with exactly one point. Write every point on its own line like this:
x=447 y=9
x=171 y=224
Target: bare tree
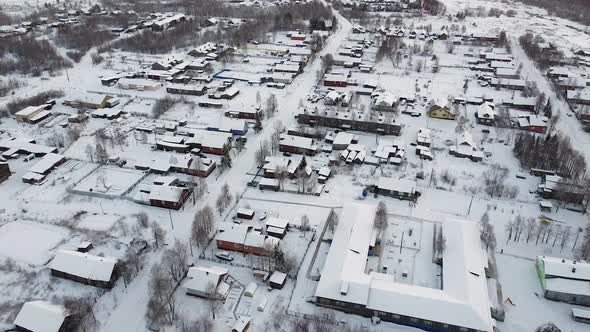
x=261 y=154
x=494 y=180
x=487 y=235
x=161 y=306
x=510 y=230
x=380 y=221
x=332 y=221
x=203 y=224
x=583 y=252
x=305 y=224
x=82 y=314
x=548 y=327
x=531 y=228
x=565 y=237
x=158 y=233
x=214 y=301
x=174 y=260
x=281 y=176
x=142 y=219
x=89 y=150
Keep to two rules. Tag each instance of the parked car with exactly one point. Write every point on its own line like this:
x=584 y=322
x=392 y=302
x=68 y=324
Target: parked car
x=224 y=256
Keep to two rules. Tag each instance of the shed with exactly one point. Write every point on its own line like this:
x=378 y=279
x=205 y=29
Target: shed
x=262 y=304
x=244 y=213
x=277 y=280
x=84 y=268
x=250 y=289
x=41 y=316
x=241 y=325
x=85 y=246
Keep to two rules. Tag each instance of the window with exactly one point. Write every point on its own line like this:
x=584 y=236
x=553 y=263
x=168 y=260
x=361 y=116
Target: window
x=427 y=323
x=414 y=320
x=463 y=329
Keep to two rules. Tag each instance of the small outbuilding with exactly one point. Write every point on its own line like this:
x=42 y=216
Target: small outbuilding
x=241 y=325
x=277 y=280
x=250 y=289
x=244 y=213
x=42 y=316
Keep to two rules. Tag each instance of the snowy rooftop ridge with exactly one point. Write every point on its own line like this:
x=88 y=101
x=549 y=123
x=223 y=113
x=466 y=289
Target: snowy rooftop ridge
x=41 y=316
x=464 y=294
x=84 y=265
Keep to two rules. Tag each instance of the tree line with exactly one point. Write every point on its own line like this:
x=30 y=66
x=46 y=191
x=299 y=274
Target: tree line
x=544 y=58
x=575 y=10
x=553 y=152
x=27 y=55
x=258 y=23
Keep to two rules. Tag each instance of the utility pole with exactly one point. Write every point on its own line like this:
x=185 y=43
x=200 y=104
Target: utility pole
x=171 y=223
x=471 y=202
x=401 y=244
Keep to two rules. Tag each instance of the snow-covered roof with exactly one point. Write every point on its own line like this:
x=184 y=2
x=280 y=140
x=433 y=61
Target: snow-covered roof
x=441 y=103
x=278 y=277
x=166 y=193
x=27 y=111
x=274 y=162
x=245 y=211
x=230 y=232
x=212 y=139
x=277 y=222
x=486 y=110
x=202 y=278
x=579 y=95
x=385 y=98
x=297 y=141
x=400 y=185
x=241 y=324
x=84 y=265
x=465 y=138
x=564 y=268
x=325 y=171
x=25 y=144
x=343 y=138
x=47 y=162
x=41 y=316
x=139 y=82
x=464 y=296
x=186 y=87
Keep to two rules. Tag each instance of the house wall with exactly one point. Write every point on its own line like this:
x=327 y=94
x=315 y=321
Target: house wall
x=370 y=127
x=212 y=150
x=485 y=121
x=226 y=245
x=396 y=194
x=262 y=187
x=170 y=204
x=95 y=283
x=422 y=324
x=440 y=113
x=295 y=149
x=4 y=172
x=335 y=83
x=568 y=298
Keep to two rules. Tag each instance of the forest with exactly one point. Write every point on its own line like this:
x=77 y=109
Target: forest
x=554 y=152
x=575 y=10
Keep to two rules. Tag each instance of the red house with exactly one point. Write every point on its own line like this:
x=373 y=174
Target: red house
x=335 y=80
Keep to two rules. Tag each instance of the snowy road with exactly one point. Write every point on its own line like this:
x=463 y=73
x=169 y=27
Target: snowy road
x=567 y=124
x=128 y=315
